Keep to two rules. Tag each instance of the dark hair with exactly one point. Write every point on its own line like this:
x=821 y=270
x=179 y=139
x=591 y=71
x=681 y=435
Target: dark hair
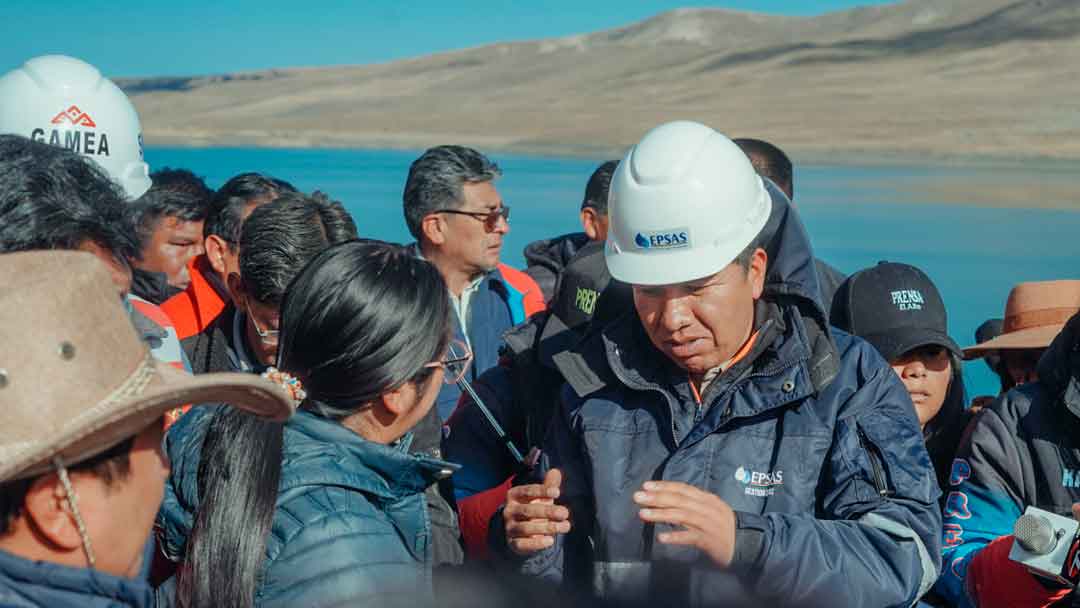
x=112 y=465
x=361 y=318
x=159 y=203
x=771 y=162
x=596 y=191
x=280 y=237
x=227 y=207
x=744 y=257
x=436 y=180
x=53 y=198
x=182 y=180
x=942 y=433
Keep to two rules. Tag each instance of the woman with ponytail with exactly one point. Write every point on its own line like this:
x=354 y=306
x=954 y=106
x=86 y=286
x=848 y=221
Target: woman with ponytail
x=327 y=509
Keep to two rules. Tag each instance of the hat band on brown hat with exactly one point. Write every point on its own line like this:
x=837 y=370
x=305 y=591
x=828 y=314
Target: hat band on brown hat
x=1038 y=318
x=80 y=426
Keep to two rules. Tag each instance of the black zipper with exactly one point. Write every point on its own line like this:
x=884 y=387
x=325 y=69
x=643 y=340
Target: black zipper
x=871 y=452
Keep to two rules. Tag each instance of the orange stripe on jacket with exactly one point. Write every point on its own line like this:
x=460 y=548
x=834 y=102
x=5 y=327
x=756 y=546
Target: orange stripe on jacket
x=195 y=308
x=532 y=297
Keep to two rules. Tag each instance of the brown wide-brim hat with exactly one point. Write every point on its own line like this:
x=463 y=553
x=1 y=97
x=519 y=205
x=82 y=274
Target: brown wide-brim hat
x=76 y=379
x=1035 y=313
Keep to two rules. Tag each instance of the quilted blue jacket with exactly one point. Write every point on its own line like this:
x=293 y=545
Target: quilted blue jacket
x=351 y=524
x=28 y=584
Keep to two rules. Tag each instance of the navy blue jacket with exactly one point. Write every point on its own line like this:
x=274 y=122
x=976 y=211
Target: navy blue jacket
x=351 y=524
x=504 y=298
x=811 y=439
x=27 y=584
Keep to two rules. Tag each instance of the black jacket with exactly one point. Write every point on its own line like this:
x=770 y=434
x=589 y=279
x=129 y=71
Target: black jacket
x=546 y=259
x=1022 y=450
x=152 y=286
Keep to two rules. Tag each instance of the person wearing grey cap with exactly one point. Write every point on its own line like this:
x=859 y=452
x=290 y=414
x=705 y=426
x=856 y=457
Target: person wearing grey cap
x=81 y=404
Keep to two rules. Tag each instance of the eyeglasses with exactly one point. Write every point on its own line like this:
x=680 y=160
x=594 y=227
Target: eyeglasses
x=266 y=336
x=456 y=363
x=490 y=219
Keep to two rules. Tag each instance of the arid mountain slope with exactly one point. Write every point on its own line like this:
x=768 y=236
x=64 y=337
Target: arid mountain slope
x=968 y=78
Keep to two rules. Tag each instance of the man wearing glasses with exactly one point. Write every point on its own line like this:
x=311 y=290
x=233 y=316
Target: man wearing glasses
x=459 y=220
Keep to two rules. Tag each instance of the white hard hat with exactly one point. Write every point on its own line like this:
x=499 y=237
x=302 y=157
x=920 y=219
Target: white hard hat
x=683 y=204
x=66 y=102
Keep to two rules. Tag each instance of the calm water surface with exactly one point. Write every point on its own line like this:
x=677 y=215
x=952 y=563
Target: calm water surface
x=856 y=216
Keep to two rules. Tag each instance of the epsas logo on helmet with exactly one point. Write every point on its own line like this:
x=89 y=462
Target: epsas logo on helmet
x=82 y=142
x=675 y=238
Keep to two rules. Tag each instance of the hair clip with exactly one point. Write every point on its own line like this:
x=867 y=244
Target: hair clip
x=286 y=381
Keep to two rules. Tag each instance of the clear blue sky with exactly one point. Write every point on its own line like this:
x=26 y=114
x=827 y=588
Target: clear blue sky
x=184 y=37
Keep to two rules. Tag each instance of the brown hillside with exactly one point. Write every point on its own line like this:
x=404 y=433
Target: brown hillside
x=993 y=78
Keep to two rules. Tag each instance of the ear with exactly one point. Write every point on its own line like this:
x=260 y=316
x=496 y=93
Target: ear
x=589 y=224
x=215 y=252
x=756 y=272
x=433 y=228
x=47 y=511
x=236 y=289
x=399 y=400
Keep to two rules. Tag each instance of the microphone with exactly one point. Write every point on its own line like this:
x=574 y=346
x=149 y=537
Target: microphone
x=1048 y=545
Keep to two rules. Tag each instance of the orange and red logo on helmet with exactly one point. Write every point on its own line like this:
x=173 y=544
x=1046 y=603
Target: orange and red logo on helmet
x=92 y=143
x=74 y=116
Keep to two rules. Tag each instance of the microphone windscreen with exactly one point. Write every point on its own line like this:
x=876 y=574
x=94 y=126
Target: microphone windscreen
x=1035 y=534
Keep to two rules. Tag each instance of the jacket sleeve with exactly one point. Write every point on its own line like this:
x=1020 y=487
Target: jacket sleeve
x=486 y=465
x=875 y=540
x=566 y=560
x=345 y=558
x=985 y=497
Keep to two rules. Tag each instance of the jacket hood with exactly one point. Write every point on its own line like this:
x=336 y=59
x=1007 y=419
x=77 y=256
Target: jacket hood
x=319 y=452
x=25 y=583
x=1059 y=367
x=791 y=280
x=554 y=253
x=792 y=274
x=152 y=286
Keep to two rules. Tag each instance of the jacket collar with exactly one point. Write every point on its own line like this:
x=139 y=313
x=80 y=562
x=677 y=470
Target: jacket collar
x=781 y=346
x=48 y=584
x=323 y=452
x=492 y=278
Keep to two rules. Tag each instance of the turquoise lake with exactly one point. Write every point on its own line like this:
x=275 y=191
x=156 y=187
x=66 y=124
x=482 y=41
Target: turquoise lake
x=856 y=216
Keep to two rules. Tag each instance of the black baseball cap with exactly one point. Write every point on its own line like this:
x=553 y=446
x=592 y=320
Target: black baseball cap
x=585 y=293
x=895 y=307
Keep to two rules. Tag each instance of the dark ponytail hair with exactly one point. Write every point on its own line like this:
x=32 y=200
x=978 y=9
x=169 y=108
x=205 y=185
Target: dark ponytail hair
x=361 y=318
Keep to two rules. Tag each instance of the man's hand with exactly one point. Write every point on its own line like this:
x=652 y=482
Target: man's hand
x=531 y=516
x=709 y=522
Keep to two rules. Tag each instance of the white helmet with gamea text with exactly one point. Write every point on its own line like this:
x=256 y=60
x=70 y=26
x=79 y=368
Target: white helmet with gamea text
x=684 y=203
x=66 y=102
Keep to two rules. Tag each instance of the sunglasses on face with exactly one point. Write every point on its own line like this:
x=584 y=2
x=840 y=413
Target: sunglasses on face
x=456 y=362
x=490 y=219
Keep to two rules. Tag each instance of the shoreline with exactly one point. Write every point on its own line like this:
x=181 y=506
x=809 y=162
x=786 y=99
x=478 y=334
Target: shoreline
x=1043 y=183
x=848 y=157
